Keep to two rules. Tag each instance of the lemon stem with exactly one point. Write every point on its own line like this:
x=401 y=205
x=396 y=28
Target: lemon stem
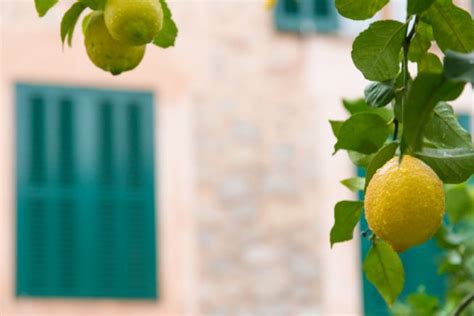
x=365 y=233
x=395 y=132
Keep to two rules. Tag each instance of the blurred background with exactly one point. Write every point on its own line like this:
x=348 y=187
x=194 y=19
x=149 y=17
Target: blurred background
x=201 y=183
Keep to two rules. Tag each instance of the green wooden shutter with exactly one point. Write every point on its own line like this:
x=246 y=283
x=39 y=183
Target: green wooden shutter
x=306 y=16
x=85 y=193
x=420 y=265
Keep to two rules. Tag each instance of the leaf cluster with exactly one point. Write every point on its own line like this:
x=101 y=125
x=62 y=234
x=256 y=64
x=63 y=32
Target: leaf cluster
x=402 y=113
x=456 y=238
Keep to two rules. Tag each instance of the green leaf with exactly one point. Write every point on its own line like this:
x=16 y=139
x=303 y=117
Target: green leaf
x=400 y=309
x=167 y=36
x=458 y=66
x=354 y=184
x=359 y=9
x=358 y=159
x=397 y=109
x=69 y=21
x=451 y=165
x=399 y=95
x=380 y=159
x=458 y=203
x=469 y=267
x=451 y=262
x=355 y=106
x=347 y=215
x=423 y=304
x=360 y=106
x=384 y=270
x=376 y=51
x=425 y=92
x=430 y=63
x=444 y=129
x=336 y=126
x=94 y=4
x=418 y=6
x=447 y=239
x=453 y=28
x=379 y=94
x=43 y=6
x=363 y=132
x=421 y=42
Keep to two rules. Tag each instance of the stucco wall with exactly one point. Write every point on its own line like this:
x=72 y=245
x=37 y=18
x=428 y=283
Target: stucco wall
x=31 y=52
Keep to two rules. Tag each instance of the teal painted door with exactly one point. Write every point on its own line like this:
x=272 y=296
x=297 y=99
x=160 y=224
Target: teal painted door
x=420 y=265
x=85 y=193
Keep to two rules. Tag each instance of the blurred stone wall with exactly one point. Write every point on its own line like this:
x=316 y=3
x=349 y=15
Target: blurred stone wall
x=256 y=171
x=246 y=181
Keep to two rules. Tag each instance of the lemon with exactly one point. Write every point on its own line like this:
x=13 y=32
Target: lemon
x=134 y=22
x=107 y=53
x=269 y=4
x=404 y=204
x=85 y=22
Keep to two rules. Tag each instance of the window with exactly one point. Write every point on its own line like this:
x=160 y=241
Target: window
x=306 y=15
x=85 y=193
x=419 y=262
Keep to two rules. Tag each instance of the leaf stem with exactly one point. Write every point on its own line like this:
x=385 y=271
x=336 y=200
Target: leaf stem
x=405 y=70
x=395 y=132
x=464 y=304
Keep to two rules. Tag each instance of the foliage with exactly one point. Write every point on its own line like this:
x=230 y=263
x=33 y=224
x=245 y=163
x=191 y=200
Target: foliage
x=456 y=238
x=459 y=66
x=376 y=51
x=165 y=38
x=384 y=269
x=422 y=123
x=359 y=10
x=347 y=214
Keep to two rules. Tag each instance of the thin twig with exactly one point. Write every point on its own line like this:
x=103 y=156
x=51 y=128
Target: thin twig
x=406 y=73
x=395 y=133
x=464 y=304
x=365 y=233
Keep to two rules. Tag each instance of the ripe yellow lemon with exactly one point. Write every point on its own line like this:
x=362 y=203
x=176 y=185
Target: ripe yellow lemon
x=404 y=204
x=134 y=22
x=106 y=52
x=269 y=4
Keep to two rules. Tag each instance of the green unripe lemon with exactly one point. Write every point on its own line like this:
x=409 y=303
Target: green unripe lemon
x=85 y=22
x=135 y=22
x=106 y=52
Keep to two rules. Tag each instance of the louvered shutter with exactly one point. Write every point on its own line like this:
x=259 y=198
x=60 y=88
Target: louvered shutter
x=85 y=193
x=306 y=16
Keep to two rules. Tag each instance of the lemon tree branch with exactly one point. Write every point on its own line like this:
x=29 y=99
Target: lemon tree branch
x=464 y=304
